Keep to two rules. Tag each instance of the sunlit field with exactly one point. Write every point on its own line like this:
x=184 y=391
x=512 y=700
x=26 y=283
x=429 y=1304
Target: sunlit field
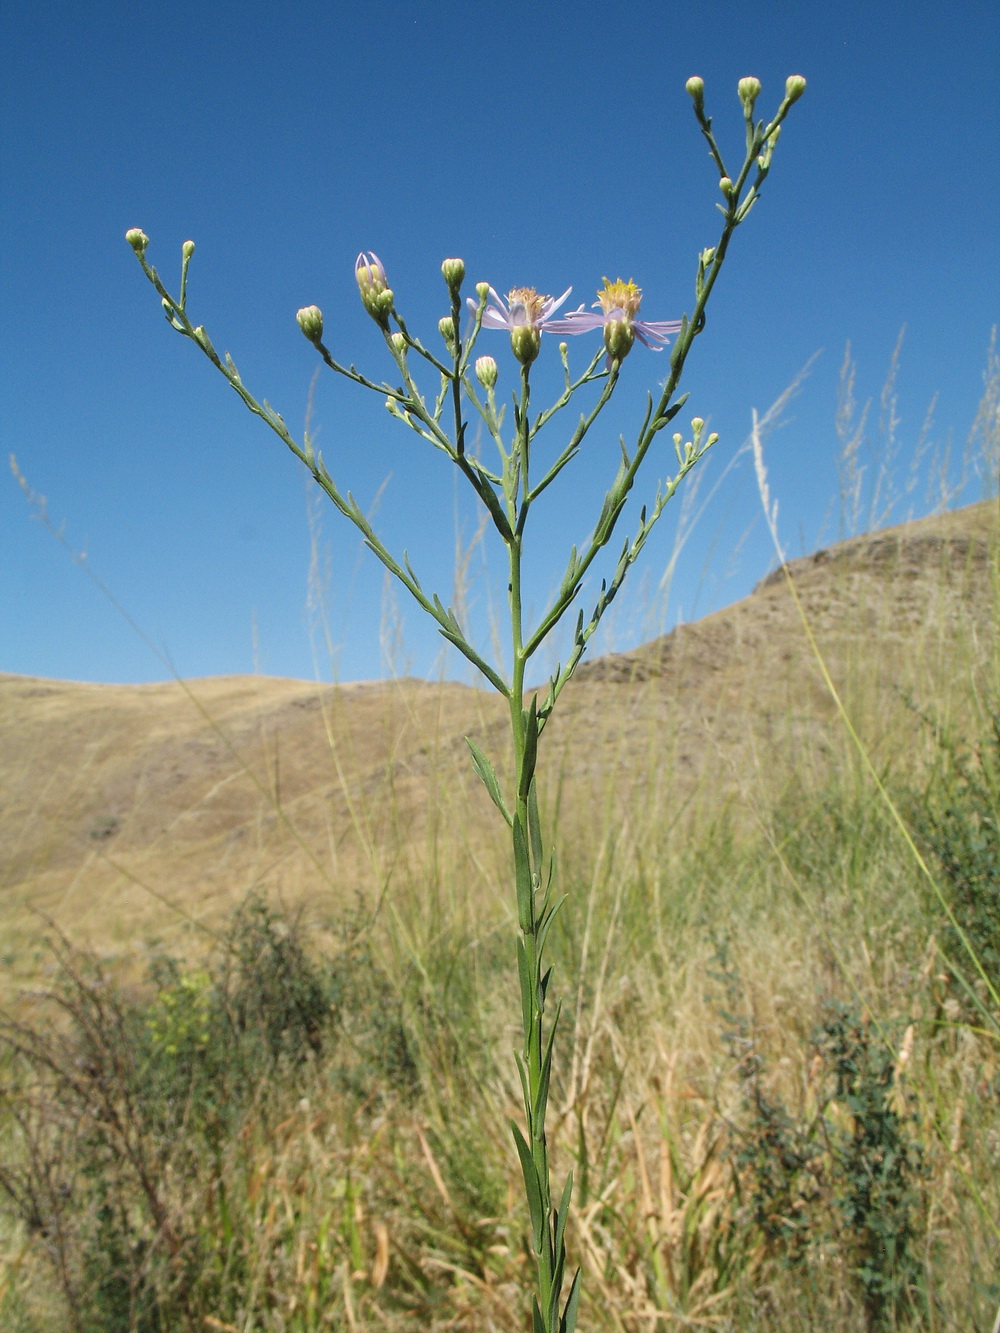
x=257 y=1067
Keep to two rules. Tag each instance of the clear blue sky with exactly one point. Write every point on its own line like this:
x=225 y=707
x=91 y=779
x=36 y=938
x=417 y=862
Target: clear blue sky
x=547 y=144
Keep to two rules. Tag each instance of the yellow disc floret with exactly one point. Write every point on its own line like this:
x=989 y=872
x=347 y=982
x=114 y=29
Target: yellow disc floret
x=623 y=296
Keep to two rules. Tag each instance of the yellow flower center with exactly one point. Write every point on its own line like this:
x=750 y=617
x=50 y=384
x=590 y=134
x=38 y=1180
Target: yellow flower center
x=624 y=296
x=526 y=305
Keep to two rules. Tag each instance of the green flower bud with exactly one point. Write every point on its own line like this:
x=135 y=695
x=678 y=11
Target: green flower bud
x=482 y=290
x=137 y=239
x=525 y=343
x=187 y=249
x=399 y=343
x=454 y=273
x=486 y=371
x=310 y=319
x=446 y=328
x=726 y=186
x=749 y=91
x=696 y=90
x=618 y=338
x=795 y=86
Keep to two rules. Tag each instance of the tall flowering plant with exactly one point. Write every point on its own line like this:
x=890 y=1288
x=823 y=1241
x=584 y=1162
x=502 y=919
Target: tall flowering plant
x=509 y=491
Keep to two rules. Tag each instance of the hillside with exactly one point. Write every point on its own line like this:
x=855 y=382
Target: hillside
x=127 y=810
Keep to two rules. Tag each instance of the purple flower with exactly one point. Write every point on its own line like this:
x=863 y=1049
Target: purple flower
x=526 y=315
x=619 y=304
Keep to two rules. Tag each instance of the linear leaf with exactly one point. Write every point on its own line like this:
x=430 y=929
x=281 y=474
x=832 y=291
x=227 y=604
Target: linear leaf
x=489 y=779
x=568 y=1322
x=522 y=877
x=531 y=1187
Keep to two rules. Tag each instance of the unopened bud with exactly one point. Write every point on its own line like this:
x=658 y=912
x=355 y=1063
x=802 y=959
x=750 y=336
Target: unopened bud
x=726 y=186
x=446 y=328
x=697 y=425
x=696 y=90
x=749 y=91
x=482 y=290
x=486 y=371
x=454 y=273
x=399 y=342
x=187 y=249
x=310 y=319
x=795 y=86
x=137 y=239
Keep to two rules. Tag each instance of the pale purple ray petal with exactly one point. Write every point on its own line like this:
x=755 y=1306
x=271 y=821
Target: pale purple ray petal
x=576 y=321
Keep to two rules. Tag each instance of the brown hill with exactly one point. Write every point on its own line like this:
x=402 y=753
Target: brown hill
x=126 y=811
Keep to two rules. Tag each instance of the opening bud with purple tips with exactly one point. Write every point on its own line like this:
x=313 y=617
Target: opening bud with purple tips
x=454 y=274
x=376 y=295
x=137 y=239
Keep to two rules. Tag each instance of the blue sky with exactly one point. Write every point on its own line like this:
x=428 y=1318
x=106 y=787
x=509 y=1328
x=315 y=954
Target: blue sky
x=547 y=144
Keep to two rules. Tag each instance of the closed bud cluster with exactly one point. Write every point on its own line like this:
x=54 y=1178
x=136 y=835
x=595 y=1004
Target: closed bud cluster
x=795 y=86
x=749 y=91
x=137 y=239
x=696 y=90
x=454 y=274
x=310 y=320
x=486 y=371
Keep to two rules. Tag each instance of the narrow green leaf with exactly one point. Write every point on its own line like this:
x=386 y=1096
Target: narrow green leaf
x=542 y=1095
x=534 y=823
x=531 y=1188
x=547 y=922
x=522 y=878
x=523 y=1076
x=562 y=1214
x=537 y=1325
x=529 y=717
x=568 y=1322
x=525 y=976
x=489 y=779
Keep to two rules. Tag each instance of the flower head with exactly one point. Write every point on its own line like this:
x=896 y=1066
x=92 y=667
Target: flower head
x=619 y=304
x=486 y=372
x=374 y=287
x=526 y=314
x=310 y=320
